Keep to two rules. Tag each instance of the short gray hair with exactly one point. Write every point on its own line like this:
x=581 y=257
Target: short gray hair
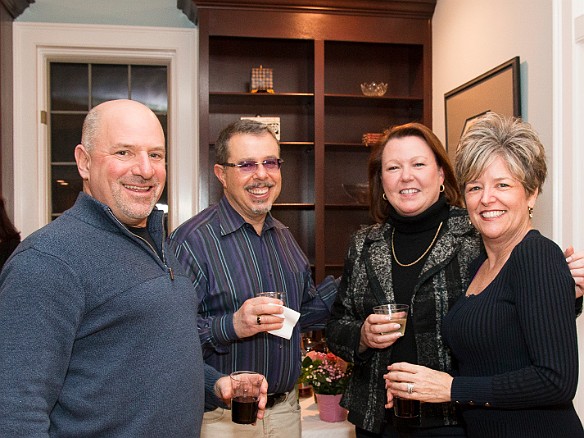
x=492 y=136
x=90 y=128
x=245 y=126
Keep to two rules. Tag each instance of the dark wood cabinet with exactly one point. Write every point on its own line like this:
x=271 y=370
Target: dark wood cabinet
x=320 y=52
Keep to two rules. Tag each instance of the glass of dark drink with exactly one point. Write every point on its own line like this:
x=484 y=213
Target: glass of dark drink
x=398 y=313
x=245 y=386
x=403 y=408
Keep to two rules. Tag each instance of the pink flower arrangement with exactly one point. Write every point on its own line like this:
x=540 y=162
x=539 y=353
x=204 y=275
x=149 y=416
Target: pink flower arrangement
x=327 y=373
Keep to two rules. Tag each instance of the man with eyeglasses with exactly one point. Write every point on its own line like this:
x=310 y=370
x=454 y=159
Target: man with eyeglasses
x=235 y=249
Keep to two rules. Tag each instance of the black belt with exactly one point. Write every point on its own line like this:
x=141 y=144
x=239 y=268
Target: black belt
x=274 y=399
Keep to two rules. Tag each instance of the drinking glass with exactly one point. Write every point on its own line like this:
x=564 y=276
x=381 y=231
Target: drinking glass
x=398 y=314
x=245 y=386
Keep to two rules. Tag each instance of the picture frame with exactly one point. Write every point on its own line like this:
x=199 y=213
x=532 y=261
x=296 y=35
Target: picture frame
x=497 y=90
x=272 y=122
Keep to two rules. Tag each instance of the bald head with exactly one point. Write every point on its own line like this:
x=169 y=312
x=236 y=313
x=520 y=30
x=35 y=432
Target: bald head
x=121 y=159
x=110 y=109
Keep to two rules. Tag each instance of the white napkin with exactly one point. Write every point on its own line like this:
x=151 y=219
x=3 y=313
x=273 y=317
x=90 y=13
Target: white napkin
x=290 y=319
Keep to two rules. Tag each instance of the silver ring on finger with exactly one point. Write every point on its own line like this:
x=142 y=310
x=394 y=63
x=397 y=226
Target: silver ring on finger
x=259 y=320
x=410 y=387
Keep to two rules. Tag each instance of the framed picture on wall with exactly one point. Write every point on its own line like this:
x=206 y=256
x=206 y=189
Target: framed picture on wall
x=497 y=90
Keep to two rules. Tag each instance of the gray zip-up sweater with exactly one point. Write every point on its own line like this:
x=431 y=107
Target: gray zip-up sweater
x=98 y=334
x=367 y=282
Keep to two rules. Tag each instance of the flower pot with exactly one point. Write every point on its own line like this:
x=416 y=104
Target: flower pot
x=329 y=408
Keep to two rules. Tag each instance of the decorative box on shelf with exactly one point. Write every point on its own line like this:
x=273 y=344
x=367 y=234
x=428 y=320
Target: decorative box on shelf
x=262 y=80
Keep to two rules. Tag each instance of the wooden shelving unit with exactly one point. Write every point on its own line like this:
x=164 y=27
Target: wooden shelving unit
x=320 y=52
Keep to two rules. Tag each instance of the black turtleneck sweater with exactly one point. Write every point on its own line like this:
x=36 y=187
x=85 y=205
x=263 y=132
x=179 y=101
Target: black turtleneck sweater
x=413 y=235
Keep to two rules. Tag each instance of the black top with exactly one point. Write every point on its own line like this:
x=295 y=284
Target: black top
x=413 y=235
x=143 y=233
x=7 y=247
x=516 y=347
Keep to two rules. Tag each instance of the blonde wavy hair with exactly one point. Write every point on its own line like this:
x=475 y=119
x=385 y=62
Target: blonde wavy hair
x=515 y=141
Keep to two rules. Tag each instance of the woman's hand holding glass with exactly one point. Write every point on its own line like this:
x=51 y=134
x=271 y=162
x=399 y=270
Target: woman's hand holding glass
x=379 y=332
x=415 y=382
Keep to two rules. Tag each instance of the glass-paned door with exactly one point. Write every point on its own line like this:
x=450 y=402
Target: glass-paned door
x=75 y=88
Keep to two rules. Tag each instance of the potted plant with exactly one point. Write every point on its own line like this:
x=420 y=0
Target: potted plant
x=328 y=375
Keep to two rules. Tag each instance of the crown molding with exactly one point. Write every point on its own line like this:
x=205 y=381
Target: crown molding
x=16 y=7
x=390 y=8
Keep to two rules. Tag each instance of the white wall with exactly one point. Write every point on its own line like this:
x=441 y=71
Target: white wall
x=471 y=37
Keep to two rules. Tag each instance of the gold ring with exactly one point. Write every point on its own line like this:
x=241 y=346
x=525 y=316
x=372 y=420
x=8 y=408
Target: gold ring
x=259 y=320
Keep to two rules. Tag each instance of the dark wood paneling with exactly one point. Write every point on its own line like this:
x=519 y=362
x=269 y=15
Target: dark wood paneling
x=317 y=26
x=396 y=8
x=320 y=52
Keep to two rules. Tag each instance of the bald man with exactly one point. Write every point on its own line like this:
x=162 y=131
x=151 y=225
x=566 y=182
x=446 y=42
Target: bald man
x=97 y=321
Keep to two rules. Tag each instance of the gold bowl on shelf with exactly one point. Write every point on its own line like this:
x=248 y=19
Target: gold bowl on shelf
x=359 y=192
x=374 y=88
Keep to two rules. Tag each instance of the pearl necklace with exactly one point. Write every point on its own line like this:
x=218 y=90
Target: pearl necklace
x=419 y=258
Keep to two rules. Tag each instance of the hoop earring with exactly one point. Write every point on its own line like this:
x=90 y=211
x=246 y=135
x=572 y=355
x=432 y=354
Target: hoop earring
x=384 y=197
x=442 y=188
x=530 y=211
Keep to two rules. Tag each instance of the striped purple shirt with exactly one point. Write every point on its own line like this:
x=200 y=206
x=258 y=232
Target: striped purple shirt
x=229 y=263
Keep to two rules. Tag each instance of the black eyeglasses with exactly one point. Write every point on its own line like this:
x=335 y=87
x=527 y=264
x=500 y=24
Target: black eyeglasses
x=271 y=165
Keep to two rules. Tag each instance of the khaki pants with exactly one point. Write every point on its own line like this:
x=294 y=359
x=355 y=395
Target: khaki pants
x=280 y=421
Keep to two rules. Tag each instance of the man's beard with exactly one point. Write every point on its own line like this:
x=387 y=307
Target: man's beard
x=262 y=209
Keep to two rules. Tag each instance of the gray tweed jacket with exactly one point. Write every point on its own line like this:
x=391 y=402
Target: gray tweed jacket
x=367 y=282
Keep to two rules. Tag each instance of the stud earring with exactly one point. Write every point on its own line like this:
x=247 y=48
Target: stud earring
x=530 y=211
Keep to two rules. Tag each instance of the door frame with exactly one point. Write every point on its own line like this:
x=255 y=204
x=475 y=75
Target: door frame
x=568 y=137
x=35 y=45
